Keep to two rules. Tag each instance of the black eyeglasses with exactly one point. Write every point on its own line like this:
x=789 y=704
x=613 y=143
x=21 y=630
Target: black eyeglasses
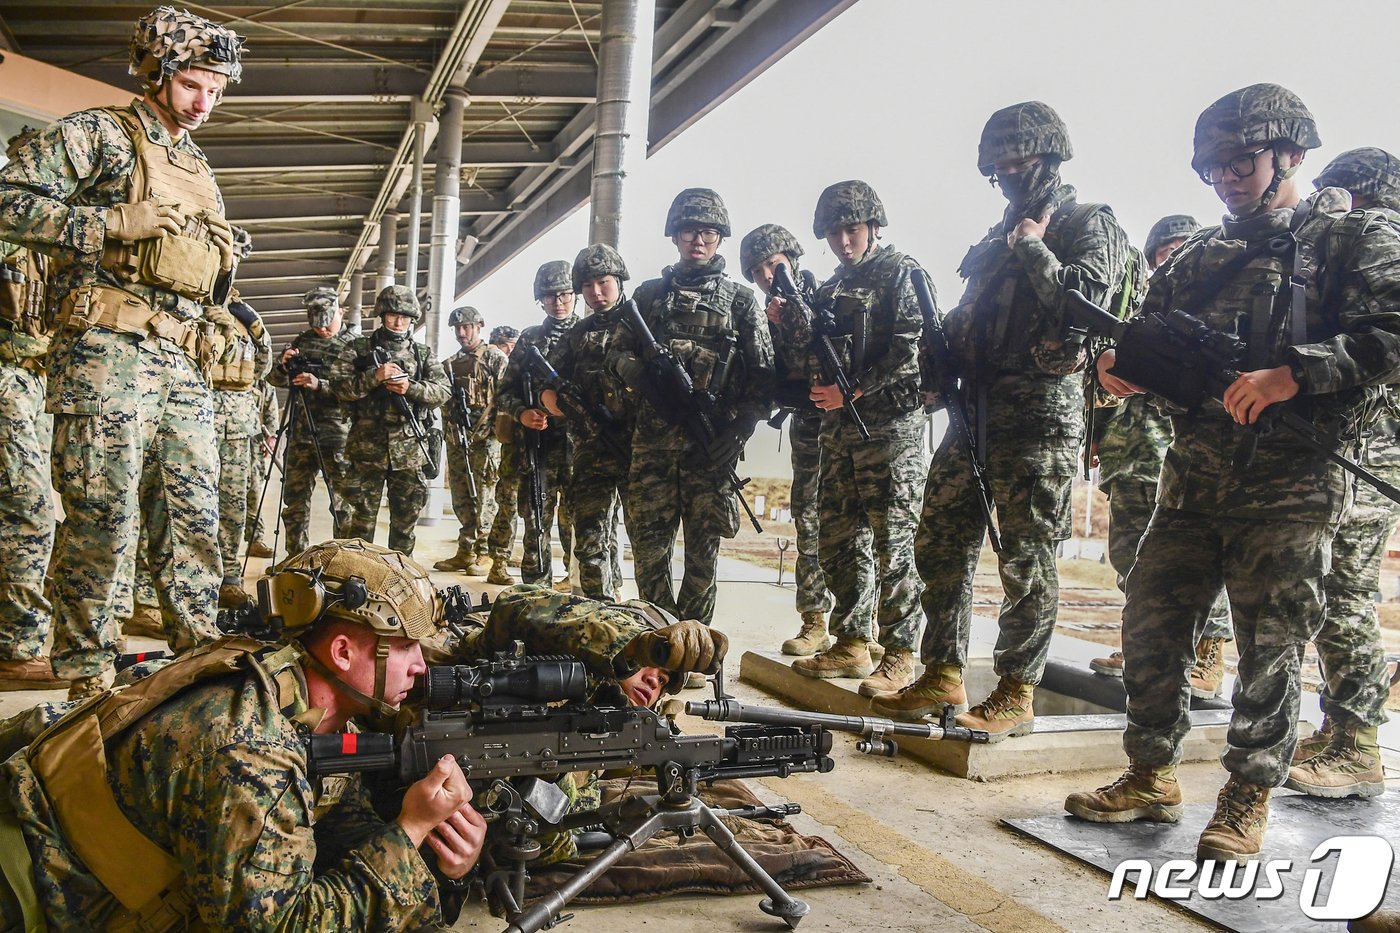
x=1241 y=166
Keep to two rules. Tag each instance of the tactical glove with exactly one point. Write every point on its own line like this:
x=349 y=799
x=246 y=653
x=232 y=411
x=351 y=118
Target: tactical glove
x=221 y=236
x=728 y=443
x=246 y=316
x=682 y=647
x=144 y=220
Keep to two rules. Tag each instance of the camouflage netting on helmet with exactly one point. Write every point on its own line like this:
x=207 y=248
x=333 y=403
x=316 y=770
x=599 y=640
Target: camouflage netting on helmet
x=464 y=315
x=168 y=40
x=401 y=598
x=1170 y=227
x=847 y=202
x=1020 y=131
x=504 y=332
x=596 y=261
x=764 y=241
x=697 y=207
x=1370 y=171
x=1250 y=117
x=552 y=278
x=397 y=299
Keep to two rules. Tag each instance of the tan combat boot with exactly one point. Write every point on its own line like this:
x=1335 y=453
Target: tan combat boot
x=1380 y=921
x=1314 y=744
x=1236 y=832
x=1111 y=666
x=1007 y=713
x=499 y=575
x=231 y=596
x=458 y=561
x=849 y=657
x=479 y=567
x=1143 y=792
x=894 y=673
x=259 y=549
x=1350 y=766
x=29 y=674
x=80 y=688
x=1207 y=675
x=145 y=622
x=938 y=686
x=811 y=638
x=563 y=585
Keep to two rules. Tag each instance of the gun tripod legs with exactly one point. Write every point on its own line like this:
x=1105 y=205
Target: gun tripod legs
x=778 y=903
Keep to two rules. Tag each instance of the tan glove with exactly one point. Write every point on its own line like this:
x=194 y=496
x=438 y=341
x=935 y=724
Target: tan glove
x=682 y=647
x=144 y=220
x=221 y=235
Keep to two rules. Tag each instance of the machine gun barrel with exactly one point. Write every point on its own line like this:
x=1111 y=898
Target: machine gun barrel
x=874 y=729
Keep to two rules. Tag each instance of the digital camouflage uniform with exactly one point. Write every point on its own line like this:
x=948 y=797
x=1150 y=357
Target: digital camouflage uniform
x=554 y=451
x=478 y=371
x=502 y=534
x=136 y=395
x=26 y=504
x=380 y=451
x=1025 y=401
x=301 y=465
x=260 y=458
x=695 y=311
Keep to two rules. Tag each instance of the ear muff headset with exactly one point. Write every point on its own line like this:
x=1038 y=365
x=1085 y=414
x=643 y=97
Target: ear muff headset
x=296 y=599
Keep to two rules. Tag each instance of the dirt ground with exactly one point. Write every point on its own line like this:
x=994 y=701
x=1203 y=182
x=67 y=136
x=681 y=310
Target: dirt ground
x=1090 y=602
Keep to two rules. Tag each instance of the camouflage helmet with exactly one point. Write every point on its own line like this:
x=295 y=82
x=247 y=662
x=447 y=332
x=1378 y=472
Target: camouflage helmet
x=1170 y=227
x=1020 y=131
x=1250 y=117
x=14 y=142
x=761 y=242
x=397 y=299
x=464 y=315
x=697 y=207
x=847 y=202
x=503 y=332
x=596 y=261
x=1369 y=171
x=168 y=40
x=552 y=278
x=353 y=581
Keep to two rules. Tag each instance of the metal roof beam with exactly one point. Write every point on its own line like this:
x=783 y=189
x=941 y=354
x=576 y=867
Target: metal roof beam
x=227 y=158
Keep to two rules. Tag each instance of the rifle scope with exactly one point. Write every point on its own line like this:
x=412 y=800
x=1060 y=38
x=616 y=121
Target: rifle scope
x=548 y=680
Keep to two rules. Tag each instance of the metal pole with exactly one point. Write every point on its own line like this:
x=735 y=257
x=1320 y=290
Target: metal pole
x=447 y=189
x=388 y=244
x=422 y=113
x=355 y=302
x=619 y=140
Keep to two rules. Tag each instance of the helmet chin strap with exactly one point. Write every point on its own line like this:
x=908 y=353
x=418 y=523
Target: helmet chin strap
x=1281 y=174
x=376 y=703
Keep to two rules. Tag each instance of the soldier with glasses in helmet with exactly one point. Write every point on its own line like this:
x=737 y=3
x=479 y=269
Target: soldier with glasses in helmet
x=1312 y=288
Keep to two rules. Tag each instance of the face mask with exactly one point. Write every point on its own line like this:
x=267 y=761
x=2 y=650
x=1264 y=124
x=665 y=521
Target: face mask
x=1024 y=188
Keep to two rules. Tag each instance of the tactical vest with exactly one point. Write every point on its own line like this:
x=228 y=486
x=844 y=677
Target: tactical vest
x=593 y=335
x=70 y=761
x=25 y=323
x=698 y=326
x=187 y=264
x=469 y=372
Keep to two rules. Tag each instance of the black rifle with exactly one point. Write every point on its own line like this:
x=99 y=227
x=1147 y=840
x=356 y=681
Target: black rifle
x=460 y=415
x=675 y=398
x=935 y=341
x=410 y=418
x=1183 y=360
x=532 y=448
x=823 y=325
x=594 y=422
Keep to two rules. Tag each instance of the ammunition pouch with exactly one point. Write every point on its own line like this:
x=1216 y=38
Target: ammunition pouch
x=505 y=428
x=120 y=311
x=180 y=264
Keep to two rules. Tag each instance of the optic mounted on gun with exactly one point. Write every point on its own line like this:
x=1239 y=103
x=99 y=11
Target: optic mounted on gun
x=508 y=681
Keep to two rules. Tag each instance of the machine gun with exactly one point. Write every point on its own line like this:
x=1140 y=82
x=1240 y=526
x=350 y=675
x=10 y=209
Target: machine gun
x=833 y=373
x=532 y=448
x=1179 y=358
x=935 y=341
x=593 y=422
x=410 y=420
x=675 y=398
x=460 y=415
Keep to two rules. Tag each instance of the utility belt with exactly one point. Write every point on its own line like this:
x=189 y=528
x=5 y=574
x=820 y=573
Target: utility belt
x=122 y=312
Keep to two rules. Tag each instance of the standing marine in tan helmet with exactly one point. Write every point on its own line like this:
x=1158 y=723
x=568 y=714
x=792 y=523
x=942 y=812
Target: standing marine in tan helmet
x=127 y=207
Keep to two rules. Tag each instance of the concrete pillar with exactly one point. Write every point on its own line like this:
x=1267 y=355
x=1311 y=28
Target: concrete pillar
x=422 y=115
x=388 y=245
x=447 y=200
x=624 y=96
x=354 y=305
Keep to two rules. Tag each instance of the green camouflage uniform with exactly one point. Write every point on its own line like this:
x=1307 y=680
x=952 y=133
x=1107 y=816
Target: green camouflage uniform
x=672 y=483
x=26 y=504
x=217 y=777
x=1264 y=533
x=1026 y=398
x=139 y=399
x=260 y=458
x=554 y=450
x=481 y=367
x=599 y=478
x=380 y=452
x=235 y=421
x=1135 y=438
x=300 y=464
x=502 y=534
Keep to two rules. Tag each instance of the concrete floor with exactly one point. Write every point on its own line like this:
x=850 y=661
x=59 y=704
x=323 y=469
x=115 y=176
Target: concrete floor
x=939 y=858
